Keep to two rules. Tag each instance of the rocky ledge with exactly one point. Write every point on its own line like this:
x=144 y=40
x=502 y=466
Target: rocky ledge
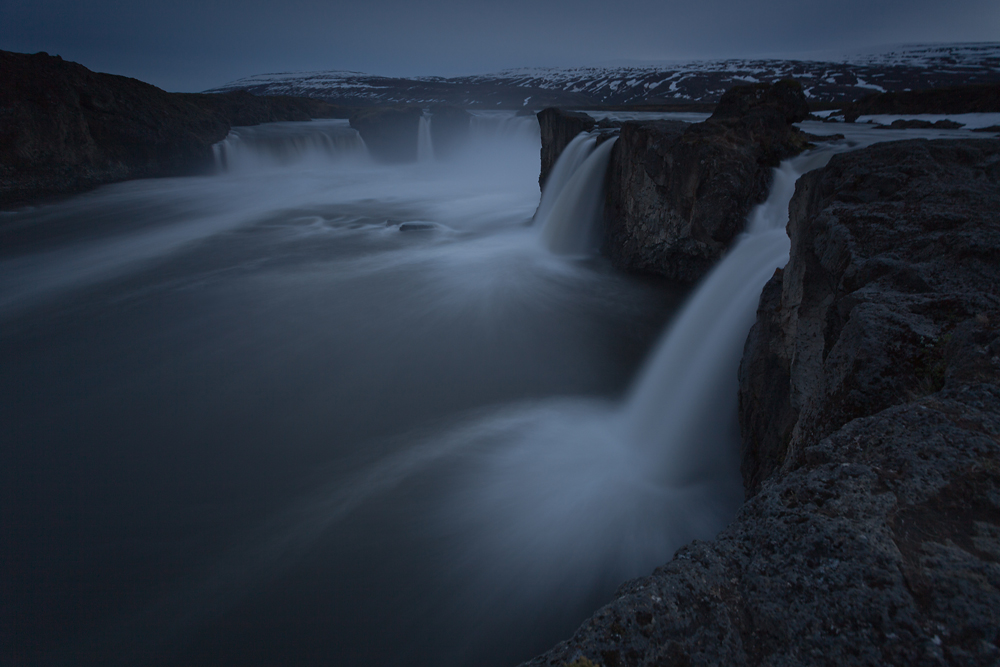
x=870 y=410
x=679 y=193
x=65 y=129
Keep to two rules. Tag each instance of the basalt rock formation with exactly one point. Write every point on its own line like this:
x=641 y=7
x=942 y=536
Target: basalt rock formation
x=870 y=408
x=679 y=193
x=65 y=129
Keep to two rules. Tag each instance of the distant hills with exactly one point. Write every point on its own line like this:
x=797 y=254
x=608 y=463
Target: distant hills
x=916 y=67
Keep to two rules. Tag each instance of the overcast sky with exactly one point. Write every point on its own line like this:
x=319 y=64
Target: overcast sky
x=191 y=45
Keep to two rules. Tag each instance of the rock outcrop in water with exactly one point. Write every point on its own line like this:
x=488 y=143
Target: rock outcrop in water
x=870 y=407
x=678 y=194
x=65 y=129
x=389 y=132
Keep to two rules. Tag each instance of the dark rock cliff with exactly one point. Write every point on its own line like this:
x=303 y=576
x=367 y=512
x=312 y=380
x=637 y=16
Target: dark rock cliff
x=678 y=194
x=870 y=403
x=65 y=129
x=893 y=250
x=982 y=98
x=558 y=128
x=449 y=129
x=389 y=132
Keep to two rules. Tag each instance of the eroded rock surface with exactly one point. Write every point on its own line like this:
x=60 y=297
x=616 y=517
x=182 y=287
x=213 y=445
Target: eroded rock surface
x=679 y=193
x=870 y=403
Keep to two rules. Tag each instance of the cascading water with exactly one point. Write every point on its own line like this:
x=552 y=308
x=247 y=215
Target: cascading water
x=491 y=125
x=570 y=495
x=252 y=391
x=276 y=145
x=425 y=143
x=673 y=410
x=566 y=165
x=571 y=210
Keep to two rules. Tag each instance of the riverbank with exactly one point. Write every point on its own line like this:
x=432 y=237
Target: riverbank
x=67 y=129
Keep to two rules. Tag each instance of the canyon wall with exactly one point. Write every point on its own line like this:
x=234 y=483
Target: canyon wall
x=65 y=129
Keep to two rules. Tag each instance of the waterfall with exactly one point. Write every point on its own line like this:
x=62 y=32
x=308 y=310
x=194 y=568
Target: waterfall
x=576 y=489
x=281 y=144
x=571 y=209
x=681 y=410
x=569 y=161
x=425 y=146
x=488 y=126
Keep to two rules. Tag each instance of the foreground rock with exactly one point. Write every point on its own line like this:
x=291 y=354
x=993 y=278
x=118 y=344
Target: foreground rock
x=65 y=129
x=870 y=404
x=678 y=194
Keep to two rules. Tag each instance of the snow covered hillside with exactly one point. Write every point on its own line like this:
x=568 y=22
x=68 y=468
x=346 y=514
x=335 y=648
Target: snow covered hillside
x=836 y=80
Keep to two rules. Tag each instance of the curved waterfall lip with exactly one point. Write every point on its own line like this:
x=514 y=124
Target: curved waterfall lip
x=573 y=224
x=569 y=161
x=673 y=409
x=278 y=145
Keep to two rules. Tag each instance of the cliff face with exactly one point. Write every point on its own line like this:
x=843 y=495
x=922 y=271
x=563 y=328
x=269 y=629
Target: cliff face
x=678 y=194
x=65 y=129
x=389 y=132
x=558 y=128
x=891 y=259
x=870 y=406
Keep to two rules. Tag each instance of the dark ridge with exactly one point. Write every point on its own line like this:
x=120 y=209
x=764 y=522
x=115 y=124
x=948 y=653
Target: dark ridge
x=979 y=98
x=65 y=129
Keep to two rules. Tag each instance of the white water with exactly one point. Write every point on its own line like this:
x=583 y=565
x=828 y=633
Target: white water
x=571 y=213
x=425 y=144
x=566 y=165
x=490 y=125
x=577 y=492
x=277 y=145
